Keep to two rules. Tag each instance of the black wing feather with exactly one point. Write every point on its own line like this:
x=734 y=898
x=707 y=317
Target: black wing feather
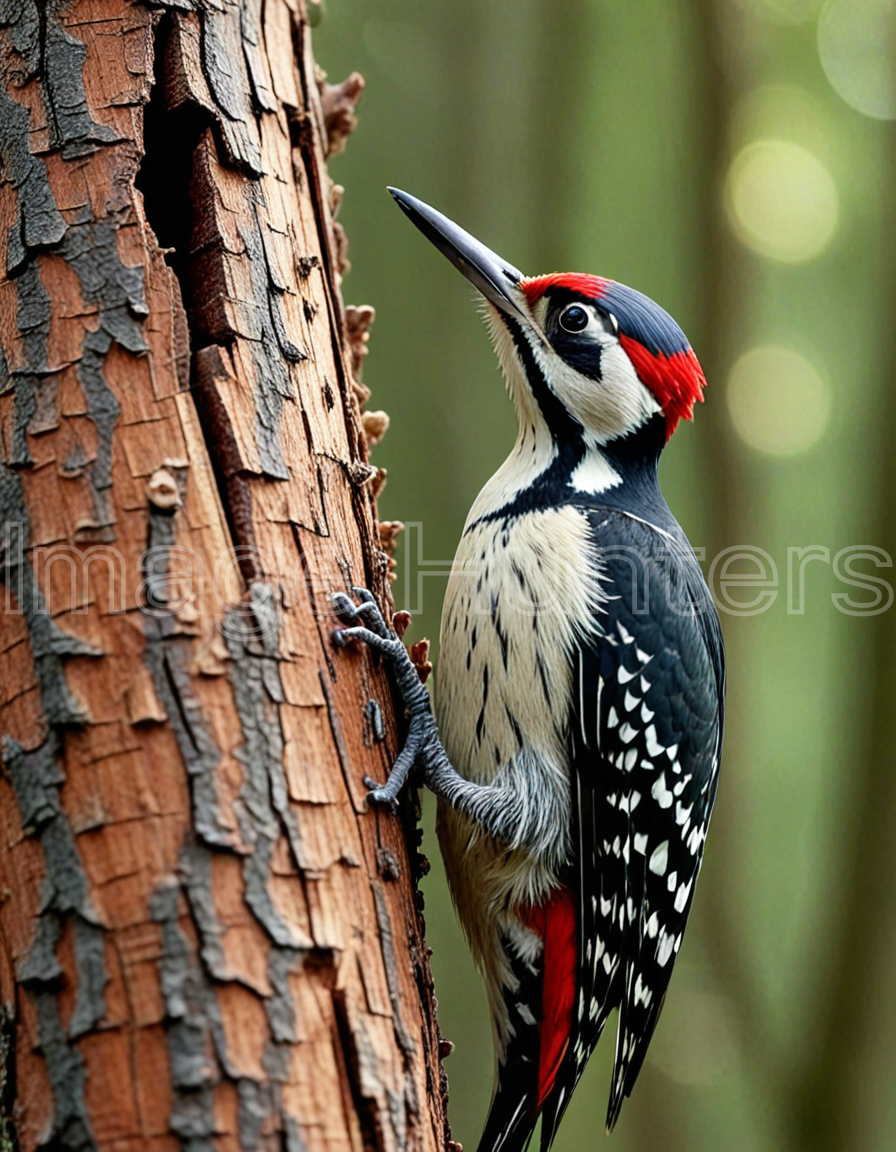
x=645 y=744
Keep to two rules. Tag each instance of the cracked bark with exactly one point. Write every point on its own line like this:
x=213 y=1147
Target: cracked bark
x=206 y=941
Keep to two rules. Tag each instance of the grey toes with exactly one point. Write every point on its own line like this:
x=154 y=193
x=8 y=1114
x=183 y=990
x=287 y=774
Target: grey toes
x=344 y=605
x=380 y=794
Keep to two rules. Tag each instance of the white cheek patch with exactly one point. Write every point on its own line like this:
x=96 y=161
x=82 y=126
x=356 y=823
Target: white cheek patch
x=607 y=408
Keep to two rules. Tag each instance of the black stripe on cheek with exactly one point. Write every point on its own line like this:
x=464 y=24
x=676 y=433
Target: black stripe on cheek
x=565 y=429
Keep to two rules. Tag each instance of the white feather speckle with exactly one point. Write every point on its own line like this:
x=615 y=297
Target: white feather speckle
x=659 y=859
x=664 y=949
x=661 y=793
x=654 y=748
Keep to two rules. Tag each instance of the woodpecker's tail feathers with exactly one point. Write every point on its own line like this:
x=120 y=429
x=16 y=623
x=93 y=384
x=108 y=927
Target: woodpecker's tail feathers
x=639 y=1013
x=511 y=1120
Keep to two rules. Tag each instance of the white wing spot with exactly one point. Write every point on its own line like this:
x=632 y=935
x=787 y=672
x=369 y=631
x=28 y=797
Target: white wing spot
x=659 y=859
x=627 y=733
x=654 y=748
x=672 y=881
x=631 y=701
x=681 y=896
x=646 y=714
x=642 y=992
x=664 y=950
x=624 y=675
x=526 y=1014
x=630 y=757
x=612 y=718
x=661 y=793
x=640 y=844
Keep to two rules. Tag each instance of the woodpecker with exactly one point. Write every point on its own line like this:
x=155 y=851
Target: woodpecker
x=580 y=688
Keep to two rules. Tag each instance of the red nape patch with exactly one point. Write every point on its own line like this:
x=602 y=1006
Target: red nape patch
x=676 y=381
x=534 y=287
x=555 y=923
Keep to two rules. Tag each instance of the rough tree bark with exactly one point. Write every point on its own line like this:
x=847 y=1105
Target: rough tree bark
x=207 y=941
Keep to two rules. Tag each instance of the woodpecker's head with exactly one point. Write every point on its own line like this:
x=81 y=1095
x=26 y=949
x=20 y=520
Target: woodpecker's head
x=595 y=361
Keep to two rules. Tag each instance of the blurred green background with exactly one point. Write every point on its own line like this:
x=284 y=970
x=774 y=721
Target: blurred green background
x=734 y=159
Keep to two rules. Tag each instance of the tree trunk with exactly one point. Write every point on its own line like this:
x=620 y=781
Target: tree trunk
x=206 y=938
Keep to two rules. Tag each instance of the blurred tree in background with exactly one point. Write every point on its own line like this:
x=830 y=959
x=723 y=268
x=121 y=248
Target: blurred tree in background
x=734 y=159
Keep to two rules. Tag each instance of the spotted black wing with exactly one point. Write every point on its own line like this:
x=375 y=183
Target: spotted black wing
x=645 y=736
x=598 y=879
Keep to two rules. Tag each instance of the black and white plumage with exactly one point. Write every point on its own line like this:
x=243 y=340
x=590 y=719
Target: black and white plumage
x=580 y=689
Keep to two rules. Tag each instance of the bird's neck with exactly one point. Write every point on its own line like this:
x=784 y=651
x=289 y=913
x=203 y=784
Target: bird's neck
x=546 y=471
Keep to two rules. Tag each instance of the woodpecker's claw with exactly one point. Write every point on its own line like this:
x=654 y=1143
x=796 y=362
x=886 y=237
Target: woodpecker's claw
x=377 y=635
x=381 y=794
x=344 y=606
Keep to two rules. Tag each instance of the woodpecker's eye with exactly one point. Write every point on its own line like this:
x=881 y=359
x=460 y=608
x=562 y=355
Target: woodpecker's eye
x=574 y=318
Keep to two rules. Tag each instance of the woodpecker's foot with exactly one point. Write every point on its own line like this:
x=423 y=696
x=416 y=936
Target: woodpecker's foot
x=376 y=634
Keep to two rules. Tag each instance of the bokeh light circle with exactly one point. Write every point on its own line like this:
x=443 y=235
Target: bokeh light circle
x=782 y=112
x=782 y=201
x=778 y=402
x=857 y=46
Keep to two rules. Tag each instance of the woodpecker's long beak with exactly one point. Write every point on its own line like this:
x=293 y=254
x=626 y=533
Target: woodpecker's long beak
x=497 y=280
